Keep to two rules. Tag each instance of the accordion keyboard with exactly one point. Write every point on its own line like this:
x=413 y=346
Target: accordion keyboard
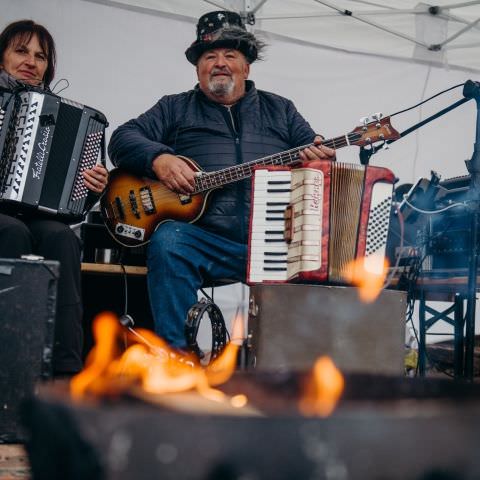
x=268 y=258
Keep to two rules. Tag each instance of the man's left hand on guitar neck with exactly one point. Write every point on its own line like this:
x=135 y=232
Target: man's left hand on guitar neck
x=317 y=151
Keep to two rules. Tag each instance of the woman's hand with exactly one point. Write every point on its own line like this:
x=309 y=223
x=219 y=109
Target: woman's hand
x=96 y=178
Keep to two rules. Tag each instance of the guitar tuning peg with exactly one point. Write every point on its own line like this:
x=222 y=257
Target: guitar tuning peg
x=377 y=116
x=385 y=146
x=364 y=120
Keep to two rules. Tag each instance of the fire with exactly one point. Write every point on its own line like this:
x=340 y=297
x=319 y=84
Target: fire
x=149 y=364
x=323 y=389
x=148 y=368
x=368 y=274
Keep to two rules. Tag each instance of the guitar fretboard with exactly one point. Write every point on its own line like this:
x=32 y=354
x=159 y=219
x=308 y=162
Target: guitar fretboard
x=207 y=181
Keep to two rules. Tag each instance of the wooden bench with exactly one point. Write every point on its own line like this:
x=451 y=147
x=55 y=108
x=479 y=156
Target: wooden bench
x=113 y=269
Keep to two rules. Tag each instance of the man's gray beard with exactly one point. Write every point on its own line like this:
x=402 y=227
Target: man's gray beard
x=221 y=88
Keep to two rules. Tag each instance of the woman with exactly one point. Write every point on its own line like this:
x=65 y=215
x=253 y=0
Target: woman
x=27 y=56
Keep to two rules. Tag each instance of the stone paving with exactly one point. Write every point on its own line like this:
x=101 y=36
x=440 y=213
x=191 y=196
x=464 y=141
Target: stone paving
x=13 y=463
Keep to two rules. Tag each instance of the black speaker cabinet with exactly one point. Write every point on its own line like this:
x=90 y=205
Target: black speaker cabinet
x=28 y=294
x=291 y=325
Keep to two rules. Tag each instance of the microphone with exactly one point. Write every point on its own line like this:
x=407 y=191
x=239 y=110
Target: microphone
x=471 y=89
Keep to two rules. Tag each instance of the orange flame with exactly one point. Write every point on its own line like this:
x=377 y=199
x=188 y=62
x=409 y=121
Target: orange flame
x=323 y=389
x=152 y=365
x=368 y=274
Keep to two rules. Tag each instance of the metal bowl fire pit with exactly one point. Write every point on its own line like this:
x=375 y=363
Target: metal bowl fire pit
x=382 y=428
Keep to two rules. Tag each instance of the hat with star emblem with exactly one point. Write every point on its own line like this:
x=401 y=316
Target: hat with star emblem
x=223 y=29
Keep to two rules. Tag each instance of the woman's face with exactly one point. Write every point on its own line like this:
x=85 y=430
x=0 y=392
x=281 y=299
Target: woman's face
x=26 y=62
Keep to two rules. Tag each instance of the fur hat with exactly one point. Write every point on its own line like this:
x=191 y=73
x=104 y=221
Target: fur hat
x=222 y=29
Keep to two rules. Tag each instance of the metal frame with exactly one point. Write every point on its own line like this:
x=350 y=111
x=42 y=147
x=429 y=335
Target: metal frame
x=457 y=322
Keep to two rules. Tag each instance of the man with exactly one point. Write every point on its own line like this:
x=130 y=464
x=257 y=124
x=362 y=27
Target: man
x=224 y=121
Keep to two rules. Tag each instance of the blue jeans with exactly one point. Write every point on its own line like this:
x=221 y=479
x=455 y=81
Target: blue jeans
x=181 y=258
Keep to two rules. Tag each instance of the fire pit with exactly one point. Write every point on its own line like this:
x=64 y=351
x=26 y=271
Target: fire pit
x=383 y=428
x=143 y=411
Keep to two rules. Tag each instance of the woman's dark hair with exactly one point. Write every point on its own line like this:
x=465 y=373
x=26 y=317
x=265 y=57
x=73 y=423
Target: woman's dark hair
x=22 y=31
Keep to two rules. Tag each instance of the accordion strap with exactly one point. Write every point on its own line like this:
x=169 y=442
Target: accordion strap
x=219 y=330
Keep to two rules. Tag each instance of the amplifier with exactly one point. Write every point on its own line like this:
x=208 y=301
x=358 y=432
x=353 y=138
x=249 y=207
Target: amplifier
x=95 y=237
x=291 y=325
x=28 y=295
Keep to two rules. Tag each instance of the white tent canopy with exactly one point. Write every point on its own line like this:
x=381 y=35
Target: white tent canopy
x=445 y=32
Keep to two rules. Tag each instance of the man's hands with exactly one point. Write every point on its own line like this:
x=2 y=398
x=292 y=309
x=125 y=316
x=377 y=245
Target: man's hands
x=317 y=151
x=174 y=173
x=96 y=178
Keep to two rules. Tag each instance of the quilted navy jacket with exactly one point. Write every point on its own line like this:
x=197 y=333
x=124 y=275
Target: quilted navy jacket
x=216 y=137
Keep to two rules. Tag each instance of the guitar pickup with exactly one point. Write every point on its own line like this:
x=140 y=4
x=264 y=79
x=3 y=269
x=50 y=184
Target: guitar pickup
x=146 y=198
x=120 y=208
x=133 y=204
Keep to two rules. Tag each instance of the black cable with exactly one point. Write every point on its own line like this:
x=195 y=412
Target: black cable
x=427 y=100
x=62 y=89
x=429 y=119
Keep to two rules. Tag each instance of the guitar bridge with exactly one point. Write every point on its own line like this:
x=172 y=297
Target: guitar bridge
x=120 y=209
x=184 y=199
x=148 y=203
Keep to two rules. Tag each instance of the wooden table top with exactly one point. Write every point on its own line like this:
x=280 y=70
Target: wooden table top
x=113 y=269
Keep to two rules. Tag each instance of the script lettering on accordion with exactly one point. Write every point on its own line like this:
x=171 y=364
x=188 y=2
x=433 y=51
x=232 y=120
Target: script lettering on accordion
x=305 y=236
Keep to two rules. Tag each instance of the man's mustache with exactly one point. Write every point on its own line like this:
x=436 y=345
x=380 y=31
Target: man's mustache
x=221 y=71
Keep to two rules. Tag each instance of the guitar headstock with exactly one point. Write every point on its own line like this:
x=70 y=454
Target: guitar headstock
x=374 y=129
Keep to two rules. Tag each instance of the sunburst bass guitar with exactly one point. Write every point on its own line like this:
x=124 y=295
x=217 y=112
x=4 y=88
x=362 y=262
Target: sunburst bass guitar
x=133 y=207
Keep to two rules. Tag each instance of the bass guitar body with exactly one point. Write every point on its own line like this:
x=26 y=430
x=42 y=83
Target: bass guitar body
x=133 y=207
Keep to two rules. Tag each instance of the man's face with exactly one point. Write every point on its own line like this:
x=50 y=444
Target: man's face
x=222 y=73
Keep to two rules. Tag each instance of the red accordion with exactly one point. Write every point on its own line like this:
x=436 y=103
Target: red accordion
x=308 y=223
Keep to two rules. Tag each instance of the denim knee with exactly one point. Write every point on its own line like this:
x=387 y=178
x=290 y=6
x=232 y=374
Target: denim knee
x=164 y=244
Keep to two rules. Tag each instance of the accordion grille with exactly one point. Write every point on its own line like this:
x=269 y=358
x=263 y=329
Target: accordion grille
x=347 y=183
